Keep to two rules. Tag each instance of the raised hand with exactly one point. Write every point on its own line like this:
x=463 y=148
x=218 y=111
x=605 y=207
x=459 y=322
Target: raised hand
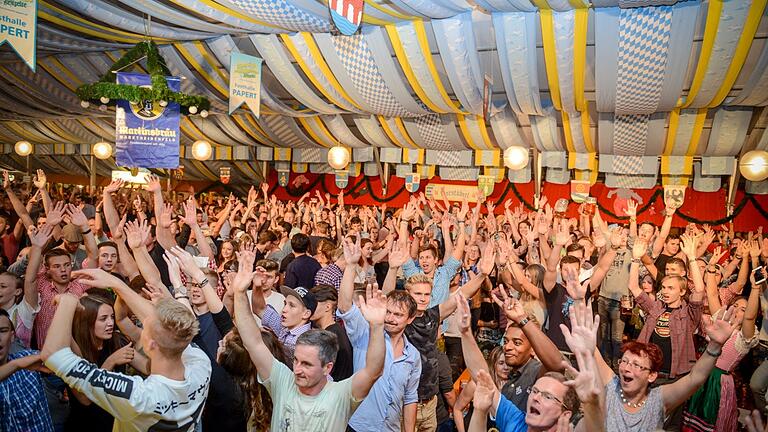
x=721 y=328
x=155 y=293
x=186 y=260
x=717 y=255
x=485 y=391
x=373 y=306
x=598 y=239
x=754 y=249
x=688 y=245
x=153 y=183
x=488 y=259
x=586 y=381
x=190 y=213
x=136 y=233
x=639 y=248
x=397 y=255
x=174 y=269
x=6 y=180
x=244 y=277
x=114 y=186
x=754 y=422
x=575 y=289
x=56 y=214
x=631 y=209
x=40 y=237
x=352 y=251
x=563 y=235
x=166 y=216
x=582 y=336
x=511 y=307
x=40 y=180
x=77 y=216
x=464 y=316
x=118 y=232
x=462 y=215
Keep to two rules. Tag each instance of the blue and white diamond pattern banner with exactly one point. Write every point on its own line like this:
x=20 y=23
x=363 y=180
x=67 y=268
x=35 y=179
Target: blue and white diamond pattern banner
x=643 y=42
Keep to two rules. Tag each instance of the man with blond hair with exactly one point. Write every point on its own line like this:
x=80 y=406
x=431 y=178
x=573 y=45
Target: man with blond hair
x=172 y=397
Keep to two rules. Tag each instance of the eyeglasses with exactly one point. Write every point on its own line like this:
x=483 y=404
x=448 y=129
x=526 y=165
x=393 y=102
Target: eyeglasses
x=634 y=365
x=549 y=397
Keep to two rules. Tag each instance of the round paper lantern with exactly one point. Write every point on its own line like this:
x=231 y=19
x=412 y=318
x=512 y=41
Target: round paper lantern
x=192 y=109
x=754 y=165
x=104 y=99
x=338 y=157
x=201 y=150
x=102 y=150
x=515 y=157
x=23 y=148
x=203 y=113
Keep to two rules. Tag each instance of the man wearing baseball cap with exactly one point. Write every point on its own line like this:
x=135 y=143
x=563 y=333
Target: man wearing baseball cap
x=289 y=324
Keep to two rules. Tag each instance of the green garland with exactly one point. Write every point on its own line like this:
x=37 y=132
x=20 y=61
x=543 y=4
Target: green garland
x=106 y=86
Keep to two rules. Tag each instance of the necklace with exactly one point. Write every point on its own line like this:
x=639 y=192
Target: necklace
x=631 y=404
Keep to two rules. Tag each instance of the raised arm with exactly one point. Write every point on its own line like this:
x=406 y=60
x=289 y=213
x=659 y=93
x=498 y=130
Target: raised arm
x=18 y=207
x=38 y=238
x=710 y=280
x=470 y=288
x=587 y=381
x=162 y=229
x=190 y=218
x=461 y=240
x=188 y=264
x=688 y=246
x=473 y=357
x=750 y=313
x=98 y=278
x=136 y=234
x=562 y=236
x=108 y=205
x=397 y=257
x=638 y=251
x=249 y=330
x=78 y=218
x=374 y=309
x=658 y=245
x=352 y=254
x=718 y=332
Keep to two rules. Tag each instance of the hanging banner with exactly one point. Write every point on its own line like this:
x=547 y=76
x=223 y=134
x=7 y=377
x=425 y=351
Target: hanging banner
x=486 y=183
x=579 y=190
x=412 y=182
x=146 y=133
x=244 y=82
x=451 y=192
x=282 y=178
x=346 y=15
x=674 y=195
x=18 y=27
x=224 y=174
x=342 y=179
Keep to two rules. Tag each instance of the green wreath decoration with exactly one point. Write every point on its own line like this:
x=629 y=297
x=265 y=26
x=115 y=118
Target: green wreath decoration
x=106 y=92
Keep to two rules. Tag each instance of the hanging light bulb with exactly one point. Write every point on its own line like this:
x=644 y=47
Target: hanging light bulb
x=754 y=165
x=192 y=109
x=102 y=150
x=515 y=157
x=23 y=148
x=85 y=104
x=201 y=150
x=204 y=113
x=163 y=103
x=104 y=99
x=338 y=157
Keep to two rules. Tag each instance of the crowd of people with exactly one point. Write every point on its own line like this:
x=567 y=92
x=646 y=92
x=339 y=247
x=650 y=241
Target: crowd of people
x=139 y=309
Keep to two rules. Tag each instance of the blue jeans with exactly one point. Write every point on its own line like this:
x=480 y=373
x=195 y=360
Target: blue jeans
x=611 y=329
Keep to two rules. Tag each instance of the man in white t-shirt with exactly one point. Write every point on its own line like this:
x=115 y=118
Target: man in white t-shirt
x=304 y=399
x=172 y=397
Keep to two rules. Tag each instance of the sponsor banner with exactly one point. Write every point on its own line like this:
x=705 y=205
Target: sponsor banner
x=579 y=190
x=244 y=82
x=451 y=192
x=18 y=27
x=146 y=133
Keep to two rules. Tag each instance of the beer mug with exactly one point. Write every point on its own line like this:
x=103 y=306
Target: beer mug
x=627 y=304
x=591 y=203
x=561 y=206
